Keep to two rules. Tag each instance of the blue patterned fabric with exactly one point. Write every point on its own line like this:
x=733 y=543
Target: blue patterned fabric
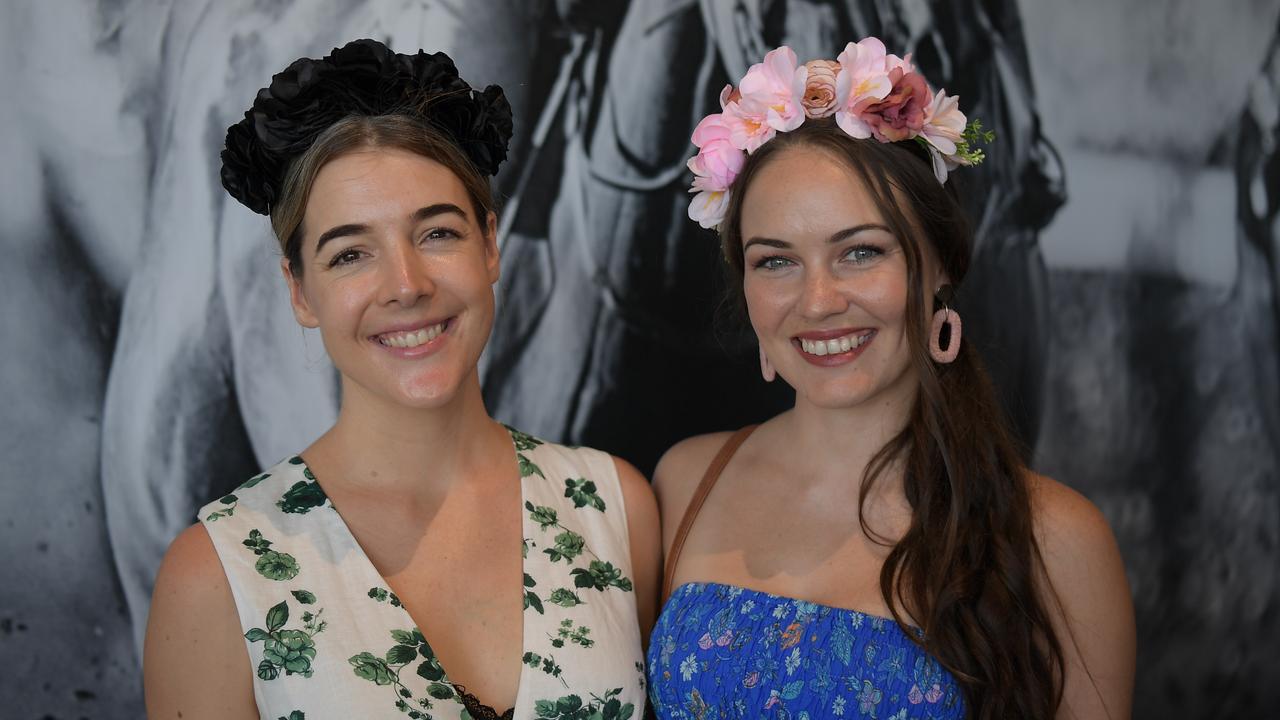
x=720 y=651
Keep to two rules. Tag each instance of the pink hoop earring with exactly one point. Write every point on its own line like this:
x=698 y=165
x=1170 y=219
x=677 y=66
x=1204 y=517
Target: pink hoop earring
x=947 y=319
x=766 y=367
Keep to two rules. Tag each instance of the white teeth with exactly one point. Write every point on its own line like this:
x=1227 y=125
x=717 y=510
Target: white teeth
x=412 y=339
x=833 y=346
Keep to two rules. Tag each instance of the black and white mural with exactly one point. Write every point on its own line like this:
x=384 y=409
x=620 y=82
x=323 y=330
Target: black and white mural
x=1124 y=290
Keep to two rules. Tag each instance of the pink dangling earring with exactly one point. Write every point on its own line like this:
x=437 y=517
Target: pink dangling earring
x=945 y=320
x=766 y=367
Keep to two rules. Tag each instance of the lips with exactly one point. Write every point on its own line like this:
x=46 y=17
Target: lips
x=409 y=338
x=832 y=347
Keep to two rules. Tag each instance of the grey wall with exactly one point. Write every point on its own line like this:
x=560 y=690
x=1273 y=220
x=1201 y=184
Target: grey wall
x=1123 y=290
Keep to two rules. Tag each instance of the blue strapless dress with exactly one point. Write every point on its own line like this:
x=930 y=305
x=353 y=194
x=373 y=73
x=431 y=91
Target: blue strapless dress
x=720 y=651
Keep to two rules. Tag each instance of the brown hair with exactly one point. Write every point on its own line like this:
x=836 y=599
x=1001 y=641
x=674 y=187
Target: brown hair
x=968 y=568
x=361 y=132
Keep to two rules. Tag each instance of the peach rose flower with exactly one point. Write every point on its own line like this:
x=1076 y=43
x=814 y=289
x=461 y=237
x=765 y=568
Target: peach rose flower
x=819 y=99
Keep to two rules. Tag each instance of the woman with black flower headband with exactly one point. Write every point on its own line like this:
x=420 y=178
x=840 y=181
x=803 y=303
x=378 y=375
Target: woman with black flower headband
x=880 y=549
x=419 y=559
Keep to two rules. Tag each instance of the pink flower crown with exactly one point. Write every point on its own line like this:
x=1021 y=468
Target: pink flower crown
x=870 y=92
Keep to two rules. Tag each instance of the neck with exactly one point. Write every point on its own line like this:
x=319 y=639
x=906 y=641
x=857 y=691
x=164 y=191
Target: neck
x=380 y=443
x=848 y=438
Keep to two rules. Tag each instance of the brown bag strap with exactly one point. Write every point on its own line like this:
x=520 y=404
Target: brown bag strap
x=699 y=497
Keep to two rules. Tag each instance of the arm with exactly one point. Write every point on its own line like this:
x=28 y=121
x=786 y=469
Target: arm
x=1087 y=595
x=195 y=663
x=645 y=539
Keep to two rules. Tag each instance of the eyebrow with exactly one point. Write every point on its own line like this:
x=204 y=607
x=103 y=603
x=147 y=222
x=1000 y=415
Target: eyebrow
x=836 y=237
x=419 y=215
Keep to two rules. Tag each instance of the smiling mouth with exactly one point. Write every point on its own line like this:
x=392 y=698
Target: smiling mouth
x=413 y=338
x=835 y=346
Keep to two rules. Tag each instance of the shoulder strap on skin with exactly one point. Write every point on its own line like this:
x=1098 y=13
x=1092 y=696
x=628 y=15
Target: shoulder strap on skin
x=699 y=497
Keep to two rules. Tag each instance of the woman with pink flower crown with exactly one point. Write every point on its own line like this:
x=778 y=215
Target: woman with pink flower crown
x=880 y=549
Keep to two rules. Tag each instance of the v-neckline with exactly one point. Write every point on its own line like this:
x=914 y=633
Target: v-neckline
x=344 y=530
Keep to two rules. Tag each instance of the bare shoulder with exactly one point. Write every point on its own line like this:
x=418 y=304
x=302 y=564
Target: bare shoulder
x=1069 y=528
x=677 y=475
x=645 y=537
x=195 y=664
x=637 y=494
x=1088 y=597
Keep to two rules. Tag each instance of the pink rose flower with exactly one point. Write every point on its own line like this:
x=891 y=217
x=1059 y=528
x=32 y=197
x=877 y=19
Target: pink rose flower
x=718 y=161
x=862 y=80
x=900 y=115
x=944 y=123
x=820 y=88
x=748 y=125
x=774 y=90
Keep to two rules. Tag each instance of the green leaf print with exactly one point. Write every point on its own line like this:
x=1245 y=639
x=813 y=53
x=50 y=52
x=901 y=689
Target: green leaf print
x=302 y=497
x=277 y=616
x=545 y=516
x=371 y=668
x=583 y=493
x=570 y=707
x=564 y=597
x=569 y=545
x=568 y=633
x=295 y=715
x=271 y=564
x=600 y=576
x=523 y=441
x=528 y=468
x=230 y=502
x=304 y=597
x=430 y=668
x=277 y=566
x=254 y=481
x=401 y=654
x=289 y=650
x=530 y=597
x=382 y=595
x=440 y=691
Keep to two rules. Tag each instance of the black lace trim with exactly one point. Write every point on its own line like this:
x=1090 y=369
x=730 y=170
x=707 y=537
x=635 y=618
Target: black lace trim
x=477 y=709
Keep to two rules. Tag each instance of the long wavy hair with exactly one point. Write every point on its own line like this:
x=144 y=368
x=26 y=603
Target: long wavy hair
x=968 y=568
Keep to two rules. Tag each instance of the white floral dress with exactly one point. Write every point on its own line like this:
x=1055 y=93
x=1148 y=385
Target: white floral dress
x=328 y=639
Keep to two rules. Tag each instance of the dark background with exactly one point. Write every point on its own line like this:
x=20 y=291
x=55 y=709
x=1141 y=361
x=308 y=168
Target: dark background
x=1124 y=287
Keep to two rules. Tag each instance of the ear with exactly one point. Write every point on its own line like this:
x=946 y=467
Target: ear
x=492 y=260
x=301 y=308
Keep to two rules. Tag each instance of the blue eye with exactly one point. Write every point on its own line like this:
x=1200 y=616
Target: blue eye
x=772 y=262
x=863 y=253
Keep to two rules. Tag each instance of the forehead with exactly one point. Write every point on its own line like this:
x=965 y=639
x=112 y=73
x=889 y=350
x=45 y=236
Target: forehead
x=379 y=185
x=806 y=192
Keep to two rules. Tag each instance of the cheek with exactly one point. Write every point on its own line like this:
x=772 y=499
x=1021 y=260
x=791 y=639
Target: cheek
x=767 y=301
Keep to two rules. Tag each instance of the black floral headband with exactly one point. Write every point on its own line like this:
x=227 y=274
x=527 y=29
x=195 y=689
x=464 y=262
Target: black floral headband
x=363 y=77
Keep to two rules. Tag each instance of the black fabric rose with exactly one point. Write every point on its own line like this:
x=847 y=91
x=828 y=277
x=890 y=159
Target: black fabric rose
x=363 y=77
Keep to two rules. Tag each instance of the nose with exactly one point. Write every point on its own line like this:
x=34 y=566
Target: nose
x=820 y=297
x=406 y=275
